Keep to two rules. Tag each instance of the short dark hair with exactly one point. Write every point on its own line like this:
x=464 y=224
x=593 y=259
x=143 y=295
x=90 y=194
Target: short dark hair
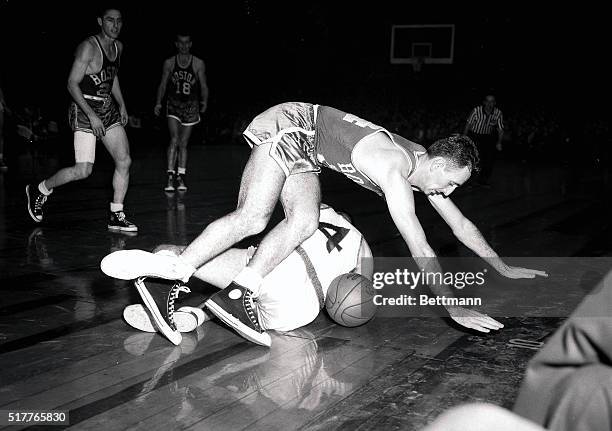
x=458 y=149
x=101 y=11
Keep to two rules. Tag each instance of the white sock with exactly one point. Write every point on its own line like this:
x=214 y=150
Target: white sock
x=43 y=189
x=250 y=279
x=182 y=171
x=116 y=207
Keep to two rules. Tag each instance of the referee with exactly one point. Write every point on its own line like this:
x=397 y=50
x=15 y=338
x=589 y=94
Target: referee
x=485 y=126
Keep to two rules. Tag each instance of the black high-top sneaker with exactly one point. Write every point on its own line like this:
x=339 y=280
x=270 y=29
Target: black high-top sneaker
x=36 y=202
x=159 y=296
x=170 y=184
x=118 y=222
x=180 y=181
x=235 y=306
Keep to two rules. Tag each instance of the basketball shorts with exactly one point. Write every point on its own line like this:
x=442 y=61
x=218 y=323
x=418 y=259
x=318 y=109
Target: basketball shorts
x=290 y=128
x=104 y=107
x=185 y=112
x=287 y=300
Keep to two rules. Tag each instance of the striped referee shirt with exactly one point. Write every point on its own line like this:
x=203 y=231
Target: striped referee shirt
x=482 y=123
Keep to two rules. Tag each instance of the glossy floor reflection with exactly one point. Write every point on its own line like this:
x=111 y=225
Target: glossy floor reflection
x=64 y=345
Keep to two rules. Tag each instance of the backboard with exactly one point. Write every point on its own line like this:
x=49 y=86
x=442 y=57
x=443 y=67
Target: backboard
x=427 y=43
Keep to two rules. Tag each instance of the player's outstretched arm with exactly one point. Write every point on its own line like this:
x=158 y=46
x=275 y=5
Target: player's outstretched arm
x=388 y=172
x=470 y=236
x=400 y=201
x=410 y=228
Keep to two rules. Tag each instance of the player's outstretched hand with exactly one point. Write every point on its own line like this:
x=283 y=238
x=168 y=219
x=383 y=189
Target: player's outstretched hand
x=518 y=272
x=473 y=319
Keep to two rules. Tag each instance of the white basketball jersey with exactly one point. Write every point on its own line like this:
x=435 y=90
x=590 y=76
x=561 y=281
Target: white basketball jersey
x=334 y=247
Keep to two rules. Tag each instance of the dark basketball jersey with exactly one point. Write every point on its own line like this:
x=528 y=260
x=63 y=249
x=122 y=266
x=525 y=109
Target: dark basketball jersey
x=337 y=133
x=184 y=82
x=100 y=84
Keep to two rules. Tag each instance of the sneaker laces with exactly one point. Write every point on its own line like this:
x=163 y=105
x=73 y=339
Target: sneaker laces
x=249 y=305
x=40 y=201
x=121 y=217
x=173 y=295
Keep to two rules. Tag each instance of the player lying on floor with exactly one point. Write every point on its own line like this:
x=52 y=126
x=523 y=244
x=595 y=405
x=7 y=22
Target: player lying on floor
x=337 y=247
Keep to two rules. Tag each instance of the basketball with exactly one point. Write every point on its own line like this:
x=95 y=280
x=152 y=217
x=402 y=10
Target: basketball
x=349 y=300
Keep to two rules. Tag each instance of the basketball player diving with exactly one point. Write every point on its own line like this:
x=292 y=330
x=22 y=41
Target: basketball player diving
x=290 y=143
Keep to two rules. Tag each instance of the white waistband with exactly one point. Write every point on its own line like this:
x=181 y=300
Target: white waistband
x=98 y=98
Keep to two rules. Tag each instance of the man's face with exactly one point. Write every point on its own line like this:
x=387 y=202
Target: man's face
x=489 y=102
x=443 y=178
x=111 y=23
x=183 y=44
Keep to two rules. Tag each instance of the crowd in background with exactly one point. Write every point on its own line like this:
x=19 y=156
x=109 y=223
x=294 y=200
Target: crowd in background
x=531 y=132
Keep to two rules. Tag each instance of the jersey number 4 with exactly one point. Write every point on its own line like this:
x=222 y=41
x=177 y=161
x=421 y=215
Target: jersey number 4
x=333 y=239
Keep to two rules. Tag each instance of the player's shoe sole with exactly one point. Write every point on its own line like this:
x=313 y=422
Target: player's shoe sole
x=186 y=318
x=127 y=229
x=261 y=338
x=132 y=264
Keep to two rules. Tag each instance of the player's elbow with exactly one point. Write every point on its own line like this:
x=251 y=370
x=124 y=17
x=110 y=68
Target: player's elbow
x=72 y=85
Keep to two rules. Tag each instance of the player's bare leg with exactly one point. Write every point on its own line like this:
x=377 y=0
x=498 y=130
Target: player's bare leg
x=184 y=136
x=260 y=189
x=172 y=153
x=116 y=142
x=301 y=199
x=79 y=171
x=221 y=270
x=85 y=147
x=183 y=140
x=300 y=196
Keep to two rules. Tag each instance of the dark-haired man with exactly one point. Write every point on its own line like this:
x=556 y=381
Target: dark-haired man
x=290 y=143
x=96 y=112
x=183 y=82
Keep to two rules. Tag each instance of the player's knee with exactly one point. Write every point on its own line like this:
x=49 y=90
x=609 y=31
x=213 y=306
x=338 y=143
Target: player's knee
x=123 y=163
x=82 y=170
x=251 y=222
x=304 y=227
x=173 y=144
x=255 y=225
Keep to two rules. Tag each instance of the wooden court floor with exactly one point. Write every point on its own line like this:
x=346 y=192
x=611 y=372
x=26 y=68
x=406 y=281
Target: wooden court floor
x=64 y=345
